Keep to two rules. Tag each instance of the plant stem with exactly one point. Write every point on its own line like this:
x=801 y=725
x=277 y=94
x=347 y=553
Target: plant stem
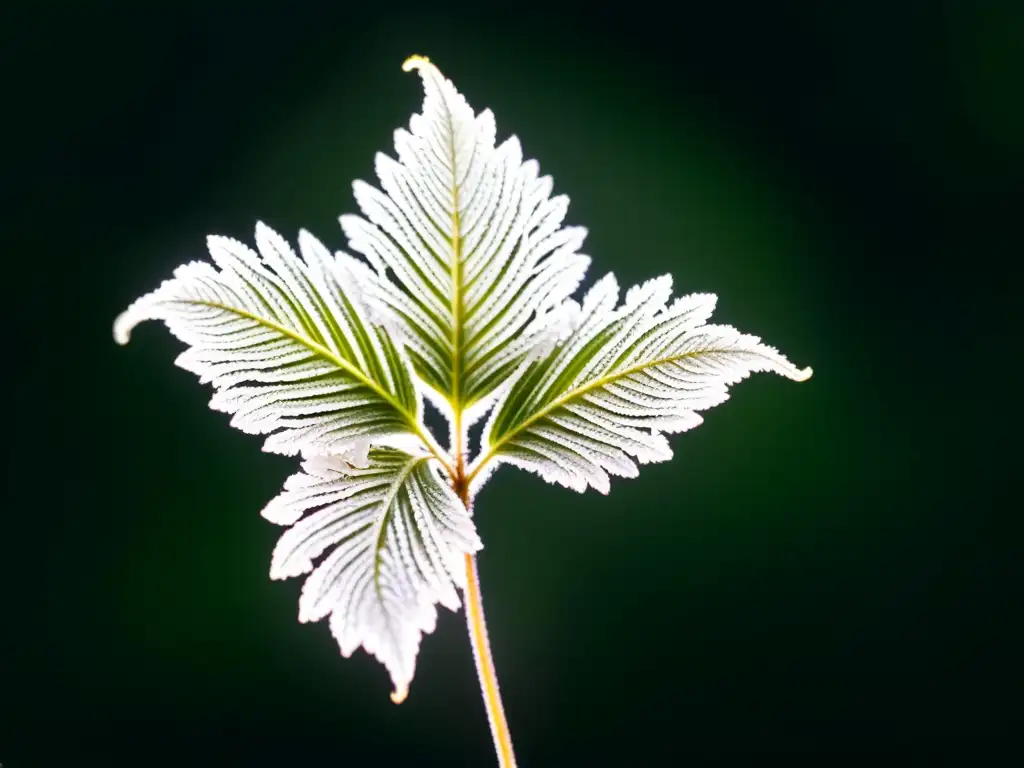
x=475 y=610
x=485 y=667
x=478 y=636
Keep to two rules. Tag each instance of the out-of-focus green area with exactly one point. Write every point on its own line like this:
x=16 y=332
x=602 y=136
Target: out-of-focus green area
x=816 y=573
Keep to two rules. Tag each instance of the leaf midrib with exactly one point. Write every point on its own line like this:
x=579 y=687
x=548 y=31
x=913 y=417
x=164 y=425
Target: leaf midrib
x=392 y=493
x=387 y=501
x=456 y=271
x=319 y=349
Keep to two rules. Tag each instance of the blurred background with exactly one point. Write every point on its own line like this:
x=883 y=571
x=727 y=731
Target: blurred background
x=822 y=570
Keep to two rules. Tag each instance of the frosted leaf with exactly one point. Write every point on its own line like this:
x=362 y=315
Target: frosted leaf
x=459 y=292
x=383 y=544
x=603 y=399
x=288 y=348
x=467 y=246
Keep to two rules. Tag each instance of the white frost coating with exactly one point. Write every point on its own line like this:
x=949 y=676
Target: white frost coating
x=623 y=379
x=331 y=356
x=286 y=343
x=453 y=191
x=394 y=535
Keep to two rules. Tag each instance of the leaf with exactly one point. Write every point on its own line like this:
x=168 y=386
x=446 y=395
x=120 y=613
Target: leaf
x=625 y=376
x=286 y=344
x=468 y=248
x=395 y=535
x=462 y=293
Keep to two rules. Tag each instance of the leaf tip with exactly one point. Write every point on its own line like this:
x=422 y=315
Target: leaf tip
x=123 y=325
x=398 y=695
x=804 y=375
x=414 y=62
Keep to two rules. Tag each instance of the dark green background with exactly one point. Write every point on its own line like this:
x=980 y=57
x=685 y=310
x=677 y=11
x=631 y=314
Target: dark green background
x=820 y=573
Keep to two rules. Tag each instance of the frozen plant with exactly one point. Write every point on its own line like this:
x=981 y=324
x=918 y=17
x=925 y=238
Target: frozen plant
x=460 y=294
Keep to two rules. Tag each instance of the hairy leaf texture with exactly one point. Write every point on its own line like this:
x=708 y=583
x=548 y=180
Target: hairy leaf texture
x=601 y=401
x=468 y=247
x=460 y=289
x=394 y=535
x=286 y=343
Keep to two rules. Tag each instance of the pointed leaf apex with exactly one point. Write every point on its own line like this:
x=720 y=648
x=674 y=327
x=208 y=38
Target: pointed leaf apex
x=414 y=62
x=398 y=695
x=123 y=328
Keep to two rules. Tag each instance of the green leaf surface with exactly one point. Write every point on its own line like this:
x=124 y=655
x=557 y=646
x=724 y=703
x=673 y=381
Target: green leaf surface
x=286 y=344
x=601 y=401
x=468 y=253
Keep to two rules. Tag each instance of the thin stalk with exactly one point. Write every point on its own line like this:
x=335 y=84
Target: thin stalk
x=485 y=667
x=481 y=645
